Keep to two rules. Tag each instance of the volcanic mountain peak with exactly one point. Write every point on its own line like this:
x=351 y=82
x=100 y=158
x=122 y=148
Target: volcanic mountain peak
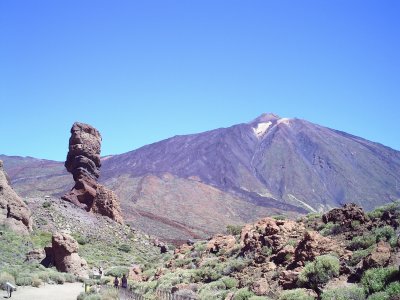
x=264 y=118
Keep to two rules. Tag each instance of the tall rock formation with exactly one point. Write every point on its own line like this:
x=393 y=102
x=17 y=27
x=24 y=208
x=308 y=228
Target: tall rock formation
x=13 y=211
x=83 y=162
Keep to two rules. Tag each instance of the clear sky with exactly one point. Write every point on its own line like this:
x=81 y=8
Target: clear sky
x=142 y=71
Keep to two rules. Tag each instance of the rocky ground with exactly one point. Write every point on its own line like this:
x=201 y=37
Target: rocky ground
x=343 y=254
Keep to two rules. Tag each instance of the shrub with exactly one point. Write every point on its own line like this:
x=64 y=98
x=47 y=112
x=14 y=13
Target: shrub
x=24 y=280
x=243 y=294
x=57 y=277
x=229 y=282
x=393 y=208
x=69 y=277
x=379 y=296
x=330 y=228
x=36 y=282
x=344 y=293
x=117 y=271
x=385 y=233
x=358 y=256
x=362 y=242
x=125 y=248
x=234 y=229
x=259 y=298
x=207 y=274
x=6 y=277
x=296 y=294
x=46 y=204
x=375 y=280
x=319 y=271
x=393 y=289
x=267 y=251
x=235 y=265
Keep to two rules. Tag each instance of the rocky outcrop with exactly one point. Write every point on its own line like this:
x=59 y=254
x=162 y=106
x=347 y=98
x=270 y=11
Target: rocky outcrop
x=83 y=162
x=63 y=254
x=271 y=233
x=379 y=257
x=221 y=242
x=14 y=213
x=313 y=244
x=345 y=215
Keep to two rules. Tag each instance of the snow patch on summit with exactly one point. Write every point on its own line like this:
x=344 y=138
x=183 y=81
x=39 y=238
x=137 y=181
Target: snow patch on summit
x=261 y=128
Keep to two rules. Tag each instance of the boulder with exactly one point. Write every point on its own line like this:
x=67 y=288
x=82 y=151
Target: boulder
x=313 y=244
x=288 y=279
x=379 y=257
x=260 y=287
x=135 y=273
x=269 y=232
x=221 y=242
x=14 y=213
x=63 y=254
x=345 y=215
x=83 y=162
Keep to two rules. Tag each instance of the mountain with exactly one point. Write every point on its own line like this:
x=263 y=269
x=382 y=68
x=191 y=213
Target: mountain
x=195 y=185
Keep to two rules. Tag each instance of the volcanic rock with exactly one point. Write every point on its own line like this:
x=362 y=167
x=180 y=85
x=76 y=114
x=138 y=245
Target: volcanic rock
x=13 y=211
x=260 y=287
x=63 y=254
x=313 y=244
x=269 y=232
x=221 y=242
x=379 y=257
x=83 y=162
x=344 y=216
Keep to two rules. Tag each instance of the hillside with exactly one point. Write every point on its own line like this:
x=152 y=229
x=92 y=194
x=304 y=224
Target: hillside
x=194 y=185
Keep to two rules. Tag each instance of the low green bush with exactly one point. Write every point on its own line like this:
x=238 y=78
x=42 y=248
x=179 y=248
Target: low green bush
x=296 y=294
x=24 y=280
x=393 y=289
x=376 y=279
x=124 y=248
x=243 y=294
x=229 y=282
x=344 y=293
x=319 y=271
x=117 y=271
x=358 y=255
x=385 y=233
x=259 y=298
x=330 y=229
x=234 y=229
x=57 y=277
x=46 y=204
x=69 y=277
x=379 y=296
x=362 y=242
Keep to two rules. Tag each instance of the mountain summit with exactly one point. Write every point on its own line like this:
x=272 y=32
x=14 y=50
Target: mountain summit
x=194 y=185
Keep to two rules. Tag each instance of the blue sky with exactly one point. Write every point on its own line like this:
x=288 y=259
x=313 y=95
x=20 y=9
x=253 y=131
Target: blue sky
x=142 y=71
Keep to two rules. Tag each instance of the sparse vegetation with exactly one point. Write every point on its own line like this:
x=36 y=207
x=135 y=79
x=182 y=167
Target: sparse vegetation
x=319 y=271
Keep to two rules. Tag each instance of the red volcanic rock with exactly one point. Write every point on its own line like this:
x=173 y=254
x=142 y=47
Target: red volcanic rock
x=269 y=232
x=344 y=216
x=221 y=242
x=13 y=211
x=313 y=244
x=83 y=162
x=379 y=257
x=64 y=255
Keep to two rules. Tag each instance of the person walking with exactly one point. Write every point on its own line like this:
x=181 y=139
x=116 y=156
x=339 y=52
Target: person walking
x=116 y=282
x=10 y=289
x=124 y=281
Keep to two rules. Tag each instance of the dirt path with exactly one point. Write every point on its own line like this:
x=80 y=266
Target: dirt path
x=67 y=291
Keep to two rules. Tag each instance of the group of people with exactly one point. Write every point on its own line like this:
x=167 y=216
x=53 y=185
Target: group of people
x=124 y=282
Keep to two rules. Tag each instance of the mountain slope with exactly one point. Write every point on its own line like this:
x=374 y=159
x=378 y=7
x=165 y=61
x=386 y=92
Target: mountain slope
x=274 y=160
x=194 y=185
